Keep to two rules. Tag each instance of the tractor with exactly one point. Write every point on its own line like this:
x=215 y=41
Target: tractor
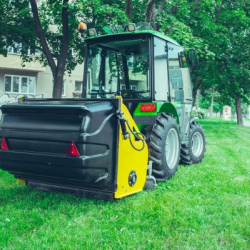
x=130 y=129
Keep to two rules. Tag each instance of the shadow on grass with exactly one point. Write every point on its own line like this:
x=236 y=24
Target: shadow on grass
x=216 y=121
x=33 y=199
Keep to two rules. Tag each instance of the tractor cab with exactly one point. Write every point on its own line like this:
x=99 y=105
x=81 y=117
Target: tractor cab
x=140 y=66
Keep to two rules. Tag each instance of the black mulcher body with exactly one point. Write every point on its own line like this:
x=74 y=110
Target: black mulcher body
x=131 y=127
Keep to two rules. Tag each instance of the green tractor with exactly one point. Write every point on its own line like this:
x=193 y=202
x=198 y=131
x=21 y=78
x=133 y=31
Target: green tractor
x=150 y=71
x=131 y=128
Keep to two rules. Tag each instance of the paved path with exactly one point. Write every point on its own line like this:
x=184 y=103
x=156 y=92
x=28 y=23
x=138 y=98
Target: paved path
x=246 y=123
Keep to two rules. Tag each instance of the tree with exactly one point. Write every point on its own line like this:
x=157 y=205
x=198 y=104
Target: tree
x=218 y=30
x=58 y=67
x=15 y=26
x=223 y=27
x=234 y=55
x=36 y=33
x=53 y=30
x=56 y=47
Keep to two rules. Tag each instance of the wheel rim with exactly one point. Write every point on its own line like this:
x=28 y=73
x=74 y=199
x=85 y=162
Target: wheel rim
x=172 y=148
x=197 y=144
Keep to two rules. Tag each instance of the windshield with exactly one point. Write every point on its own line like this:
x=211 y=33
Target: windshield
x=118 y=67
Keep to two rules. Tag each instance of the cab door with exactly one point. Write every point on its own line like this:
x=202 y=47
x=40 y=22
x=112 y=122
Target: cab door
x=161 y=86
x=180 y=86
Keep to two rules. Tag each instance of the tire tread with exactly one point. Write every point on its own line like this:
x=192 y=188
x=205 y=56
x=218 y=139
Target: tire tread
x=186 y=157
x=154 y=138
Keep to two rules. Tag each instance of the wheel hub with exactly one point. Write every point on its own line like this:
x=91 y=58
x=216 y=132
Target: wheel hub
x=172 y=147
x=197 y=144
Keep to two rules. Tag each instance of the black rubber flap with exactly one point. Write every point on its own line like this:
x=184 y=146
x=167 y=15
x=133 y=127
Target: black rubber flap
x=71 y=190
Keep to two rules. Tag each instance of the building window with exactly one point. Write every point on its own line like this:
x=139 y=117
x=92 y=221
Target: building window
x=20 y=84
x=78 y=86
x=17 y=48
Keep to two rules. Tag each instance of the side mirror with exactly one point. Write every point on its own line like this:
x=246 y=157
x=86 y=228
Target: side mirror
x=193 y=59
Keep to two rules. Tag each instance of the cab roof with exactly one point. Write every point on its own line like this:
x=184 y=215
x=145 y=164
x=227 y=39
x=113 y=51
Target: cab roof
x=150 y=32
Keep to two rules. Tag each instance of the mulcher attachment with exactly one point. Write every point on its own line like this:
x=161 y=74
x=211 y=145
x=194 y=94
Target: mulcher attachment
x=73 y=146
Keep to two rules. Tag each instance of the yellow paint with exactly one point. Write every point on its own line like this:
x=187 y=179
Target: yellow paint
x=20 y=181
x=130 y=159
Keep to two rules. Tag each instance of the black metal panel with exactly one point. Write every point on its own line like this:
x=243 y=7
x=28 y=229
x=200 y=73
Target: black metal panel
x=55 y=123
x=38 y=134
x=149 y=120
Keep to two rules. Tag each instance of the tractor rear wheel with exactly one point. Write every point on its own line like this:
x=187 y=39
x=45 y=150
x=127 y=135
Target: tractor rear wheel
x=164 y=146
x=193 y=152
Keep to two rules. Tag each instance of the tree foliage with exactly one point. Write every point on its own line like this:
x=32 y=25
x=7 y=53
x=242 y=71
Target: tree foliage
x=217 y=29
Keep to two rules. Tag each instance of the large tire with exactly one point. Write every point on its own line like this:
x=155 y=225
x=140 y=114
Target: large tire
x=164 y=146
x=193 y=152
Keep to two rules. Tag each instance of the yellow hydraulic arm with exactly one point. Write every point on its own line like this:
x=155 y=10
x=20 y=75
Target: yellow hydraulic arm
x=132 y=158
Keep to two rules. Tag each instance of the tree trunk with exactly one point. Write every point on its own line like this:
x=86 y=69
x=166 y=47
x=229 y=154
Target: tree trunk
x=152 y=12
x=59 y=68
x=58 y=86
x=62 y=60
x=149 y=8
x=195 y=89
x=154 y=15
x=196 y=5
x=238 y=110
x=162 y=5
x=212 y=106
x=219 y=10
x=42 y=38
x=129 y=9
x=198 y=99
x=194 y=96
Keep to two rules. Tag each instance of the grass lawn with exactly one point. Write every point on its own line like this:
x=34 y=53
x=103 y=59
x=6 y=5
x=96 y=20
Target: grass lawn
x=205 y=206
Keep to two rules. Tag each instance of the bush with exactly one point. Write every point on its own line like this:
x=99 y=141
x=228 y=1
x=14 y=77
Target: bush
x=201 y=114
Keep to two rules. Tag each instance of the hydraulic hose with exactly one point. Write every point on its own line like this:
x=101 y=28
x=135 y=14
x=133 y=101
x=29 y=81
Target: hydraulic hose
x=126 y=134
x=100 y=128
x=143 y=138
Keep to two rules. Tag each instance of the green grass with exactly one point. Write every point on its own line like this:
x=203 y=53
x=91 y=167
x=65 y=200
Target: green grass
x=205 y=206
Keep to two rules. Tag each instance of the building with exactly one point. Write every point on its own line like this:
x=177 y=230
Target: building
x=33 y=79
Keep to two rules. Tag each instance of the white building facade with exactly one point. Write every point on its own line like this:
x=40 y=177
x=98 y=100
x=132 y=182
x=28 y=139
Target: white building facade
x=34 y=80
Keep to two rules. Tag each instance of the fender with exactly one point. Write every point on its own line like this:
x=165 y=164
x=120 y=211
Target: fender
x=143 y=119
x=170 y=109
x=190 y=122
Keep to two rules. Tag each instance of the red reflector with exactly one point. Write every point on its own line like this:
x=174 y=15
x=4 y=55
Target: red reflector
x=4 y=145
x=72 y=150
x=148 y=107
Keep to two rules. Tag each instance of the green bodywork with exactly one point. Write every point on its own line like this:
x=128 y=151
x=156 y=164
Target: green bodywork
x=165 y=107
